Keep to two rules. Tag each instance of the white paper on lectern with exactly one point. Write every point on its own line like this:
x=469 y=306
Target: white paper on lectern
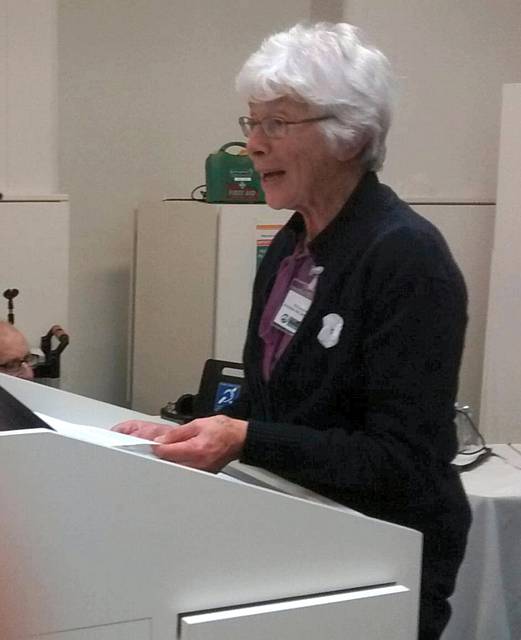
x=108 y=438
x=96 y=435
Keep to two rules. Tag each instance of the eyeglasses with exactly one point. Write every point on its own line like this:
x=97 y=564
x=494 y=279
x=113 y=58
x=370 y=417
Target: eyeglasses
x=13 y=366
x=273 y=127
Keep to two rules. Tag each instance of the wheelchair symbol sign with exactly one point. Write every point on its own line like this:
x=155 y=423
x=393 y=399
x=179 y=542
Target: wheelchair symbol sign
x=227 y=394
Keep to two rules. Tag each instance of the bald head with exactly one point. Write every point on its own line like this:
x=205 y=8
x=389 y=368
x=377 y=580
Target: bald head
x=13 y=350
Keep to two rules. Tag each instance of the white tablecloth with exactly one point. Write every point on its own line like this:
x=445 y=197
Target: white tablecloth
x=487 y=600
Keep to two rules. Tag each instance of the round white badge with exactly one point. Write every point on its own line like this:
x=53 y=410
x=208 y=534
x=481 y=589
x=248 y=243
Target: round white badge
x=329 y=335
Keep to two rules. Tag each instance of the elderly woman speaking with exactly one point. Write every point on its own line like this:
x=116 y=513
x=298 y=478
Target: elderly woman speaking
x=359 y=311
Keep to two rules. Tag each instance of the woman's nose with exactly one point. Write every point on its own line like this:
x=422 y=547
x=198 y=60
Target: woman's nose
x=257 y=142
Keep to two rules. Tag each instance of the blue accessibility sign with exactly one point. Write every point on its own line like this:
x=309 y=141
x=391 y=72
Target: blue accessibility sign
x=227 y=393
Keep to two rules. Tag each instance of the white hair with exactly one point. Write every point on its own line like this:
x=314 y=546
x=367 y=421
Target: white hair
x=331 y=67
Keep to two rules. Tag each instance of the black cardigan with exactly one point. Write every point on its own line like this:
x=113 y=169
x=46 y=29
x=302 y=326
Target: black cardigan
x=367 y=422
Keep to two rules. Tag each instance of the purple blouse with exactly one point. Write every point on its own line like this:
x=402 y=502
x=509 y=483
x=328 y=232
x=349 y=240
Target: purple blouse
x=298 y=265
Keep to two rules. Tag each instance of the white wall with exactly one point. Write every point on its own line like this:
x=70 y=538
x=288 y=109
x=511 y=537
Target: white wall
x=146 y=92
x=451 y=58
x=502 y=370
x=28 y=160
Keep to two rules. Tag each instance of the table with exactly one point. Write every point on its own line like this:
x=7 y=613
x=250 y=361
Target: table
x=487 y=600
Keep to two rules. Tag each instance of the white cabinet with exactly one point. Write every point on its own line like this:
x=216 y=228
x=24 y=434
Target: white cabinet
x=194 y=271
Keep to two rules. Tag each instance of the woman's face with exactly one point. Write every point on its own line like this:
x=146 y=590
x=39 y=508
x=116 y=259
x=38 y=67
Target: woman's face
x=298 y=170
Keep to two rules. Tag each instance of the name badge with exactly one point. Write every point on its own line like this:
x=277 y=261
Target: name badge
x=294 y=308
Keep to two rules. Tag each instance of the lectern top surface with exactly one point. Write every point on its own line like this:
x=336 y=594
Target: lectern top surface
x=15 y=415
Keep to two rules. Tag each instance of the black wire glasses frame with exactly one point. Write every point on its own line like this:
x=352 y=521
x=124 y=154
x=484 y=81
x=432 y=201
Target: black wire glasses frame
x=274 y=127
x=13 y=366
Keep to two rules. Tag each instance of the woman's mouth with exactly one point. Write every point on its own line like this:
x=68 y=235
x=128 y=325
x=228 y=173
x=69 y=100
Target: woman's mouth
x=269 y=177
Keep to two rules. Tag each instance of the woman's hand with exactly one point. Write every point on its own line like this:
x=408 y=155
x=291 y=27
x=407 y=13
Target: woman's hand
x=205 y=443
x=142 y=429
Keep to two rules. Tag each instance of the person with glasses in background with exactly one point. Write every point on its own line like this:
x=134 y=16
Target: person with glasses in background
x=358 y=316
x=15 y=357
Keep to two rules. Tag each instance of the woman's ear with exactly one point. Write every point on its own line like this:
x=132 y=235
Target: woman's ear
x=353 y=149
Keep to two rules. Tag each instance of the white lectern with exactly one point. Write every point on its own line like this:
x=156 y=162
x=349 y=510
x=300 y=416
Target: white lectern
x=115 y=545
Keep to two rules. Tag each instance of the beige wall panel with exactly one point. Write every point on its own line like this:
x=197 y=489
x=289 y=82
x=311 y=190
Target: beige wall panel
x=30 y=89
x=3 y=95
x=501 y=419
x=174 y=301
x=328 y=10
x=451 y=58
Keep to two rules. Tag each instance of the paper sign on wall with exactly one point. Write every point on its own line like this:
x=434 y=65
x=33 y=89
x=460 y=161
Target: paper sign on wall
x=264 y=234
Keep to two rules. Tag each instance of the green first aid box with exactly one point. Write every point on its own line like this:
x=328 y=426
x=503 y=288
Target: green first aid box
x=231 y=178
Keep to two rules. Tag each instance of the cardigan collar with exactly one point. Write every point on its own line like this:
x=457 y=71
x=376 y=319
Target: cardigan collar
x=360 y=203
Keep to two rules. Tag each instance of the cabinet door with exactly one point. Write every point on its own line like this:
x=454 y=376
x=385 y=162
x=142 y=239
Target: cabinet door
x=173 y=300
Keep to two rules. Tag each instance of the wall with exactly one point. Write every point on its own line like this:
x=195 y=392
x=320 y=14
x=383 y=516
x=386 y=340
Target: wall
x=28 y=161
x=451 y=58
x=146 y=92
x=502 y=370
